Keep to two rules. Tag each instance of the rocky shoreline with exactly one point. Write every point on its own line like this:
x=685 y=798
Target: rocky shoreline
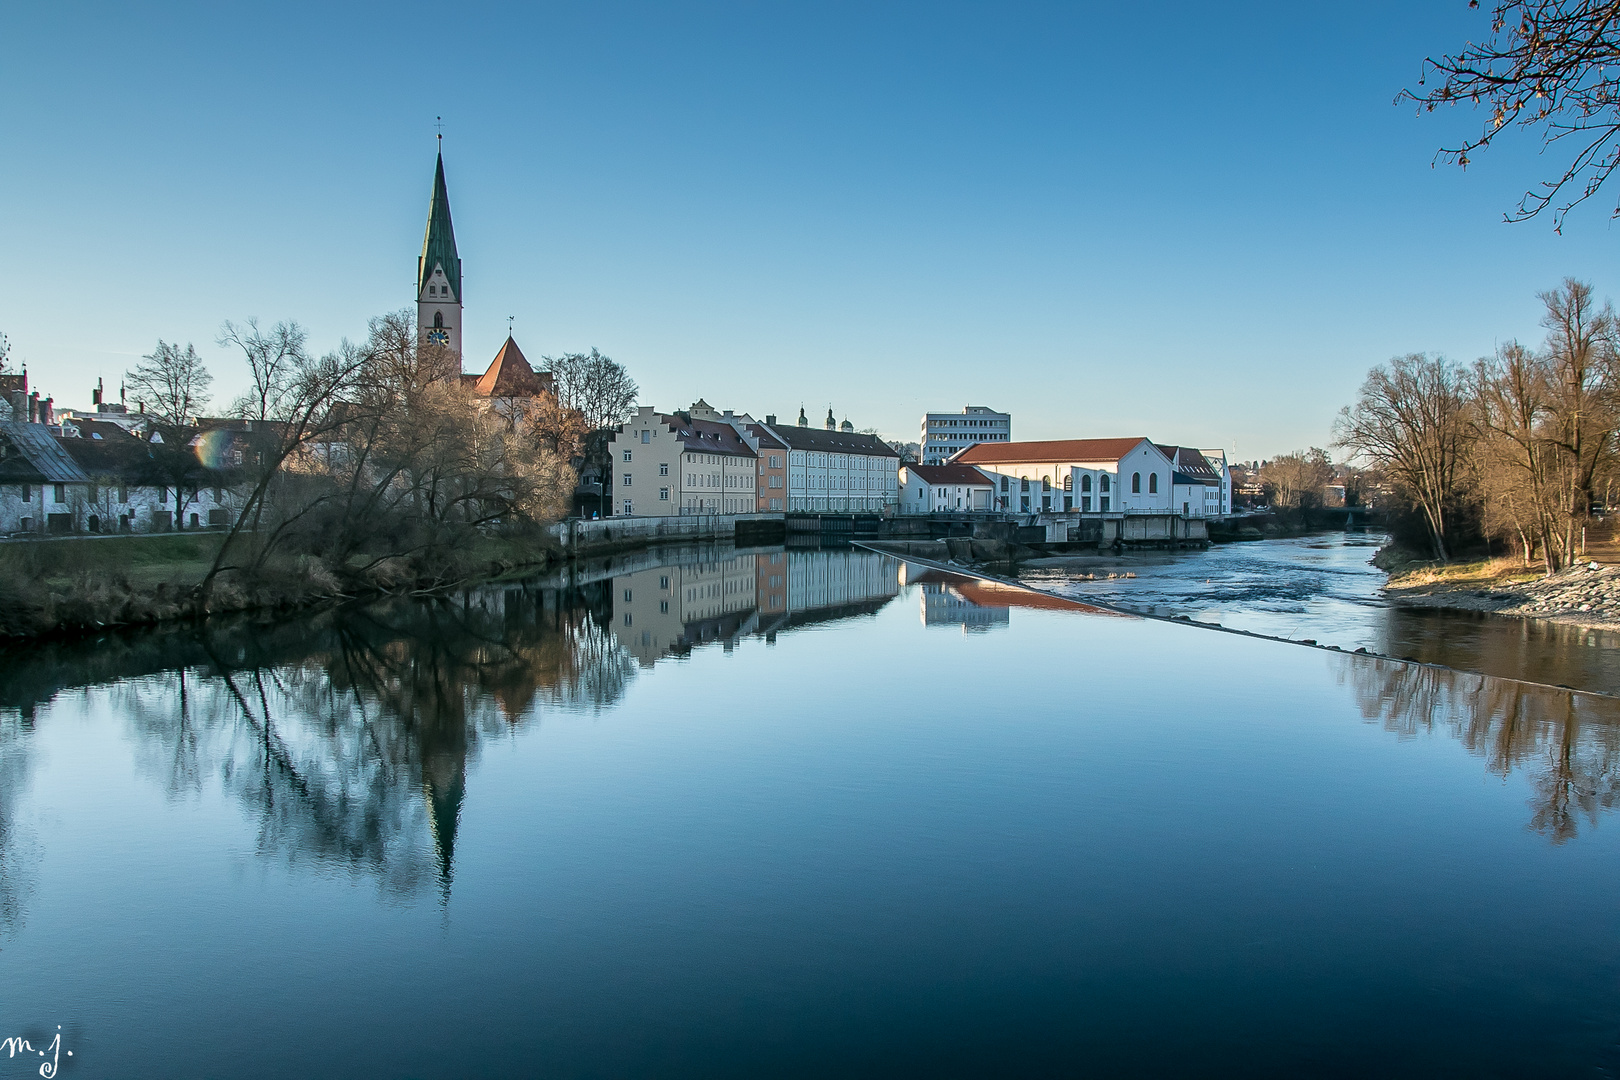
x=1585 y=595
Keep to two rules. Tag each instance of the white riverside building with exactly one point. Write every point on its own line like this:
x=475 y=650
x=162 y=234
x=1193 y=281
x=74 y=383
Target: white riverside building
x=945 y=434
x=1106 y=476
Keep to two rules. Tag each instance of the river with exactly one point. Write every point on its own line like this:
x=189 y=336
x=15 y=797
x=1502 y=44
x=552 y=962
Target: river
x=1325 y=588
x=705 y=812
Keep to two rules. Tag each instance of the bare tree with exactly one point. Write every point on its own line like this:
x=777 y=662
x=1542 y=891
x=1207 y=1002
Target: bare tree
x=171 y=382
x=273 y=357
x=598 y=386
x=5 y=355
x=1545 y=66
x=1412 y=420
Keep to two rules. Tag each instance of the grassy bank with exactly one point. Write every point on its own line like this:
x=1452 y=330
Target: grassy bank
x=68 y=585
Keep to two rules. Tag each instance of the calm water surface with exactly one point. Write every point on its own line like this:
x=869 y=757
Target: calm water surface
x=780 y=813
x=1325 y=588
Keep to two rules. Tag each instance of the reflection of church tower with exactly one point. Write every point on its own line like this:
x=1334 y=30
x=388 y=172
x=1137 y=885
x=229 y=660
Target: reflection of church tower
x=444 y=785
x=438 y=272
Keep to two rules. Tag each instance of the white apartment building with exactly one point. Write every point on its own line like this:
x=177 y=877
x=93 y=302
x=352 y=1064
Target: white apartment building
x=838 y=470
x=668 y=465
x=944 y=434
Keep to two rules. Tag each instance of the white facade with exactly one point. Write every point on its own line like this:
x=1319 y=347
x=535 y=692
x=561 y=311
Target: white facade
x=945 y=434
x=1073 y=477
x=1217 y=460
x=942 y=489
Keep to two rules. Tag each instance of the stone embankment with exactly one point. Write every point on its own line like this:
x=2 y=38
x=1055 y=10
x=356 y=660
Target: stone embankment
x=1586 y=594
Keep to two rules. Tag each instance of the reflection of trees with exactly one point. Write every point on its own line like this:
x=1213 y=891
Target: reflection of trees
x=1571 y=741
x=18 y=854
x=353 y=751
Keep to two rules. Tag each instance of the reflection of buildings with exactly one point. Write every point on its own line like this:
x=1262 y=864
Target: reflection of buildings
x=943 y=605
x=710 y=595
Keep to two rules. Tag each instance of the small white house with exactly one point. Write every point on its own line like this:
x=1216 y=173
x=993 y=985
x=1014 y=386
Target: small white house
x=945 y=489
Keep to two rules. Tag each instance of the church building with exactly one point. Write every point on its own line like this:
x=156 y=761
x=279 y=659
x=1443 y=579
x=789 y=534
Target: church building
x=439 y=308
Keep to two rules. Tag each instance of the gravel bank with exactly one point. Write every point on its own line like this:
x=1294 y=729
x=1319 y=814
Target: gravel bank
x=1585 y=595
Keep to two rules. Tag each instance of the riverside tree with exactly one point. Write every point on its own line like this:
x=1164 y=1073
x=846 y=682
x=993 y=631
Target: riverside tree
x=1412 y=419
x=378 y=454
x=1545 y=67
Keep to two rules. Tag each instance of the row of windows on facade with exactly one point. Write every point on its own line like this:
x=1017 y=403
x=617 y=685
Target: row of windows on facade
x=775 y=461
x=966 y=423
x=1085 y=483
x=93 y=493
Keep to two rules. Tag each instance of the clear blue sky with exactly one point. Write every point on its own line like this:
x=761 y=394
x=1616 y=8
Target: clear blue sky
x=1199 y=223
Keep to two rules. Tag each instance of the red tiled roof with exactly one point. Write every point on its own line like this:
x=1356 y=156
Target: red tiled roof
x=510 y=375
x=1051 y=451
x=949 y=474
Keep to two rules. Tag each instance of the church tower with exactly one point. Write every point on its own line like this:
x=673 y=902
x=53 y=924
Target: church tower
x=438 y=272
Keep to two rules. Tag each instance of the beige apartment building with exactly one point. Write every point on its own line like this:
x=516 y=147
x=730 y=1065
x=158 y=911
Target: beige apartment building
x=665 y=465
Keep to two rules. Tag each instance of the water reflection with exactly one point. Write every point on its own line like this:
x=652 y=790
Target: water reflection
x=695 y=598
x=347 y=737
x=1568 y=743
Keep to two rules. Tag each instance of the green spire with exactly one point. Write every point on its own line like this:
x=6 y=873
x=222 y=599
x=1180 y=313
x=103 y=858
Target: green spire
x=439 y=245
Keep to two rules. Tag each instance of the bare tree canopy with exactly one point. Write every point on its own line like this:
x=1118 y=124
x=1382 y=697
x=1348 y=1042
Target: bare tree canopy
x=274 y=358
x=1412 y=420
x=596 y=385
x=1545 y=67
x=171 y=382
x=5 y=354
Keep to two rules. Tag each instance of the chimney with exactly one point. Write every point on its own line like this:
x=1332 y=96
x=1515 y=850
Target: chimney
x=45 y=409
x=95 y=396
x=770 y=419
x=33 y=407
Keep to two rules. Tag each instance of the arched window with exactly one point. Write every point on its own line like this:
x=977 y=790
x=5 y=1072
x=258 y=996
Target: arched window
x=1046 y=483
x=1068 y=482
x=1105 y=483
x=1153 y=483
x=438 y=320
x=1136 y=483
x=1085 y=483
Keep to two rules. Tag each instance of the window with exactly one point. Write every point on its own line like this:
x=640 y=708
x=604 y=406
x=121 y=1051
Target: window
x=59 y=493
x=1153 y=483
x=1104 y=502
x=627 y=618
x=627 y=479
x=627 y=596
x=1105 y=486
x=646 y=435
x=1085 y=483
x=1085 y=504
x=627 y=510
x=1136 y=483
x=1004 y=483
x=663 y=470
x=438 y=320
x=627 y=455
x=663 y=494
x=1068 y=482
x=663 y=607
x=1023 y=484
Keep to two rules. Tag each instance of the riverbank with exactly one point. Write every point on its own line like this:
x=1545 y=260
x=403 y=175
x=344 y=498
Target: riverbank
x=1586 y=595
x=73 y=585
